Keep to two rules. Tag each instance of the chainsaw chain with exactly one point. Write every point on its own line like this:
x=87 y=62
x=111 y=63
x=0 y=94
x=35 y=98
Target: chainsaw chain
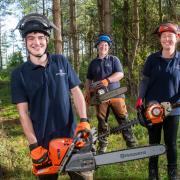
x=119 y=129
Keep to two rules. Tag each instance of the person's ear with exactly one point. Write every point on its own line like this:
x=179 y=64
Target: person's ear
x=47 y=39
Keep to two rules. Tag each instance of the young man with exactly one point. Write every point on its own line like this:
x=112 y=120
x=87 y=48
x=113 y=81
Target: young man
x=41 y=89
x=107 y=69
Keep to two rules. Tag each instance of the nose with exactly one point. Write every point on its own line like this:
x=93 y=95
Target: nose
x=36 y=41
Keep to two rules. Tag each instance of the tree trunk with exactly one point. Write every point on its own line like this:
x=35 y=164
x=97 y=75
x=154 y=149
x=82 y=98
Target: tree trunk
x=135 y=32
x=160 y=12
x=104 y=12
x=130 y=40
x=100 y=15
x=56 y=9
x=1 y=64
x=107 y=16
x=43 y=5
x=145 y=22
x=73 y=34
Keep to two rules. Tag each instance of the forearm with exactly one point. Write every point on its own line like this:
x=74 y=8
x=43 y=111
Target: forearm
x=26 y=123
x=117 y=76
x=79 y=102
x=143 y=86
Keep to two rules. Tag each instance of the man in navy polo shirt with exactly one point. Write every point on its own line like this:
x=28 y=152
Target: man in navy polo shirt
x=41 y=89
x=107 y=69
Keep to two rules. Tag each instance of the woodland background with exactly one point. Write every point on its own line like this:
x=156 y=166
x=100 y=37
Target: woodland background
x=129 y=22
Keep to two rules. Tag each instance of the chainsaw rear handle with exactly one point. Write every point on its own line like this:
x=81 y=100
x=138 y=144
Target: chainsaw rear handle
x=142 y=119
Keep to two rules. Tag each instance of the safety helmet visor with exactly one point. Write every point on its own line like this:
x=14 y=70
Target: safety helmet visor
x=35 y=23
x=168 y=27
x=35 y=26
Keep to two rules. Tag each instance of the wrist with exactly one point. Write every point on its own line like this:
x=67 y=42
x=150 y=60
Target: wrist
x=33 y=146
x=84 y=120
x=108 y=80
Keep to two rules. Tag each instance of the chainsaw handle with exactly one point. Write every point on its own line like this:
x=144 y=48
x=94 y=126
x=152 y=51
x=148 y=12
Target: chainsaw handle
x=142 y=119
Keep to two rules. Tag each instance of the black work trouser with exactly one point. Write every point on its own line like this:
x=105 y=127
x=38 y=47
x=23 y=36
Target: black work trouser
x=170 y=128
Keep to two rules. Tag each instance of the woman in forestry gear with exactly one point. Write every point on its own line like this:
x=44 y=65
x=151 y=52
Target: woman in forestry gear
x=106 y=70
x=161 y=83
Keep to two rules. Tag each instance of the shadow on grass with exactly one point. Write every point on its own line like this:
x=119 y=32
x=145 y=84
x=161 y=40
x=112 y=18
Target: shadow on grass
x=11 y=128
x=18 y=173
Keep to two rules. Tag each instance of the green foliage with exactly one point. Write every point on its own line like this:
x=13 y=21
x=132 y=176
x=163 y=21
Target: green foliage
x=15 y=162
x=51 y=46
x=15 y=59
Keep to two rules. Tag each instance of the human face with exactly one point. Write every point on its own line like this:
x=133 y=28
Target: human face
x=168 y=40
x=103 y=48
x=36 y=43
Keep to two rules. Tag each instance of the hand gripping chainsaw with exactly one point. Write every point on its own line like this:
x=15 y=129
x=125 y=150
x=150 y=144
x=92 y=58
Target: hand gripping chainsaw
x=66 y=156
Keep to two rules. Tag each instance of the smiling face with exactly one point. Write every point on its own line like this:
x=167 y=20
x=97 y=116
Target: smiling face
x=168 y=40
x=36 y=43
x=103 y=48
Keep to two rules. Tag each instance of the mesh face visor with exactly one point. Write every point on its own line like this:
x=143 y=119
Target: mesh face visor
x=35 y=23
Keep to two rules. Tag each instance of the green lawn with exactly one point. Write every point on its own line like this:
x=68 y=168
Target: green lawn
x=14 y=154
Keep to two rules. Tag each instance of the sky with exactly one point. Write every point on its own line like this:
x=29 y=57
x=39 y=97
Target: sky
x=9 y=23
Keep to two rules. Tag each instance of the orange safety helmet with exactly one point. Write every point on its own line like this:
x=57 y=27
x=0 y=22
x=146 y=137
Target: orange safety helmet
x=167 y=27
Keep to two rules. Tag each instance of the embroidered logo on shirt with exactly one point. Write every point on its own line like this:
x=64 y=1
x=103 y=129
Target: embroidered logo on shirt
x=177 y=66
x=60 y=73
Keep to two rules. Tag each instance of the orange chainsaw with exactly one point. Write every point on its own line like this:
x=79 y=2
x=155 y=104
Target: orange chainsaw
x=155 y=112
x=66 y=156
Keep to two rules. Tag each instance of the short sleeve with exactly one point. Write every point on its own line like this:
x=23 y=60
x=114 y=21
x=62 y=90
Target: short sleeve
x=18 y=93
x=73 y=79
x=117 y=65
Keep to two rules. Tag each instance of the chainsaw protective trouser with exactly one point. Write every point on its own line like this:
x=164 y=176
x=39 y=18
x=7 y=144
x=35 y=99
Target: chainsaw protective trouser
x=118 y=107
x=170 y=128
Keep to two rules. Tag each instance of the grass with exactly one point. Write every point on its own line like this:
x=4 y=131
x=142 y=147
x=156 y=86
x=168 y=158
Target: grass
x=15 y=162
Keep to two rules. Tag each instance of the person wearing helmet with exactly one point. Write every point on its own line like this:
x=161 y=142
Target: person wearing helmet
x=41 y=89
x=107 y=69
x=161 y=83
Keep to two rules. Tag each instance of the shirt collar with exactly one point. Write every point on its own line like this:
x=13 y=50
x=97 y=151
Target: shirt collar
x=159 y=54
x=105 y=58
x=33 y=66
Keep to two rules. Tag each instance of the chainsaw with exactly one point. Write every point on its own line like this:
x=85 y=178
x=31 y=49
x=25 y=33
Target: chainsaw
x=66 y=156
x=103 y=94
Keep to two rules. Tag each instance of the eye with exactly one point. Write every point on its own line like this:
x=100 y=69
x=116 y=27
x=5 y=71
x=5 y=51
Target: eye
x=41 y=38
x=30 y=38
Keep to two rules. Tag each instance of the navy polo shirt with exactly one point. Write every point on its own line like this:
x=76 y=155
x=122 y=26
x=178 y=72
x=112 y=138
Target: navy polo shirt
x=47 y=91
x=100 y=69
x=164 y=74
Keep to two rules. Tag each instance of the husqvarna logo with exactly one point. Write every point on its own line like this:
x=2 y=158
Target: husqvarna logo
x=60 y=73
x=132 y=154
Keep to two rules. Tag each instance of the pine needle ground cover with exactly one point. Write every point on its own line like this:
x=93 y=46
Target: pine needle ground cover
x=14 y=153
